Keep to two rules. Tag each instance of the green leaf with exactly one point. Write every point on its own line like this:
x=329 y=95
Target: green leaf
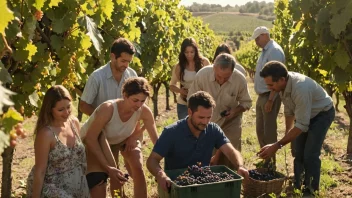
x=322 y=20
x=10 y=119
x=56 y=42
x=54 y=3
x=34 y=98
x=339 y=22
x=341 y=56
x=107 y=8
x=29 y=27
x=341 y=77
x=58 y=26
x=6 y=15
x=5 y=77
x=94 y=34
x=38 y=4
x=4 y=141
x=85 y=42
x=32 y=49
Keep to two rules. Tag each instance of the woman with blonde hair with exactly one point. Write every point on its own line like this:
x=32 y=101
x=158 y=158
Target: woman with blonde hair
x=60 y=158
x=189 y=63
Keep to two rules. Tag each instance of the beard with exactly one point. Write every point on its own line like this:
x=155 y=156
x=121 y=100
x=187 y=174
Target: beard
x=199 y=127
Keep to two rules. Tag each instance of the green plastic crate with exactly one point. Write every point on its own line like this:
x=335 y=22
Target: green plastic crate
x=230 y=188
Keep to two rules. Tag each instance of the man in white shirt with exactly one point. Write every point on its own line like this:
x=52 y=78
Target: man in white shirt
x=268 y=104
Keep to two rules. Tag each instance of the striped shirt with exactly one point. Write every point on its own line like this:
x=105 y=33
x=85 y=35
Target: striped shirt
x=102 y=86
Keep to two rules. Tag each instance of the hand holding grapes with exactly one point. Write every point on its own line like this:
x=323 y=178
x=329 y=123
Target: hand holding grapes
x=268 y=151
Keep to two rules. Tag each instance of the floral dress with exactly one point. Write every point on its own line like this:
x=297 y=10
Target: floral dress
x=65 y=173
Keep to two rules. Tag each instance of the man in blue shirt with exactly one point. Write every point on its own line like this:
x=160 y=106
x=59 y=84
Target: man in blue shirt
x=192 y=140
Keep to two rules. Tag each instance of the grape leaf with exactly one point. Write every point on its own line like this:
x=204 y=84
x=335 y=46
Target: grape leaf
x=38 y=4
x=58 y=26
x=33 y=99
x=54 y=3
x=341 y=56
x=32 y=49
x=5 y=77
x=4 y=141
x=107 y=8
x=94 y=34
x=6 y=15
x=339 y=22
x=10 y=119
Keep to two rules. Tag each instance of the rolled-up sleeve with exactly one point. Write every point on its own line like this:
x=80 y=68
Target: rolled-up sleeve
x=302 y=98
x=90 y=90
x=244 y=98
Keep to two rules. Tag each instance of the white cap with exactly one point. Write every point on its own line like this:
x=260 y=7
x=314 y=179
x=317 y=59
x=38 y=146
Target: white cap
x=258 y=31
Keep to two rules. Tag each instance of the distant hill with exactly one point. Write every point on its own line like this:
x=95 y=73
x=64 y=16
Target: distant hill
x=225 y=22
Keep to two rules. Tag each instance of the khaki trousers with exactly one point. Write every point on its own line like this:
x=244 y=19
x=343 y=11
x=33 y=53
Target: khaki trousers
x=266 y=123
x=233 y=131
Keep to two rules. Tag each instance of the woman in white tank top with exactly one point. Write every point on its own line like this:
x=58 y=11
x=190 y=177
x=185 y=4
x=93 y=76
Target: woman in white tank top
x=189 y=63
x=114 y=127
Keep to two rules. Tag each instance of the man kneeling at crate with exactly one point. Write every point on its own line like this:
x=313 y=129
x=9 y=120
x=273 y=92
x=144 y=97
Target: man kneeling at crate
x=192 y=140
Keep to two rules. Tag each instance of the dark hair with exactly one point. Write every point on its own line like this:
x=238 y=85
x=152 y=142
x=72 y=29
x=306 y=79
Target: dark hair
x=54 y=94
x=136 y=85
x=275 y=69
x=122 y=45
x=182 y=60
x=222 y=48
x=225 y=61
x=200 y=98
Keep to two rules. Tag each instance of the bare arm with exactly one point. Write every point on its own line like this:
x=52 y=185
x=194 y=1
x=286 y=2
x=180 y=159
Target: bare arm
x=175 y=79
x=96 y=145
x=42 y=143
x=236 y=159
x=232 y=154
x=86 y=108
x=153 y=165
x=290 y=121
x=149 y=123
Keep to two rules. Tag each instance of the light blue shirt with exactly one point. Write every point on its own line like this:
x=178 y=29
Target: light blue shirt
x=102 y=86
x=272 y=51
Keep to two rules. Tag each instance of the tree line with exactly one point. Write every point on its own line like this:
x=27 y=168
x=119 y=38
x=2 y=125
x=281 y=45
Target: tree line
x=261 y=8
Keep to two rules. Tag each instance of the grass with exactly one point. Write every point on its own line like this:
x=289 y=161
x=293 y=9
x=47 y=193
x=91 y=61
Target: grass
x=227 y=22
x=331 y=170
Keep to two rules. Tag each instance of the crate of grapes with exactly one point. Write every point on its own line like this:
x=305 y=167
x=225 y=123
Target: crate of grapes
x=262 y=182
x=203 y=182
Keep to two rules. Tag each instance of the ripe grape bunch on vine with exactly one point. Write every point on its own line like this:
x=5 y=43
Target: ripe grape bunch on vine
x=196 y=174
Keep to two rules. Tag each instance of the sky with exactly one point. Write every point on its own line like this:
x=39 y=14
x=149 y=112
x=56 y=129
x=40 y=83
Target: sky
x=221 y=2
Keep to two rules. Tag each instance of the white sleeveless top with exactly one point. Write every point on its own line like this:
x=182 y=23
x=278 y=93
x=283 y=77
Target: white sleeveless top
x=115 y=130
x=188 y=78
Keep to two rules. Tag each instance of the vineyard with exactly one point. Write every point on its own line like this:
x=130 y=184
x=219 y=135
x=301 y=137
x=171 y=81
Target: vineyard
x=47 y=42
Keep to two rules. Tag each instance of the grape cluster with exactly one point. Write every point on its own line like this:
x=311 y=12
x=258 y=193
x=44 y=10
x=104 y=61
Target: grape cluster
x=196 y=174
x=267 y=176
x=16 y=132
